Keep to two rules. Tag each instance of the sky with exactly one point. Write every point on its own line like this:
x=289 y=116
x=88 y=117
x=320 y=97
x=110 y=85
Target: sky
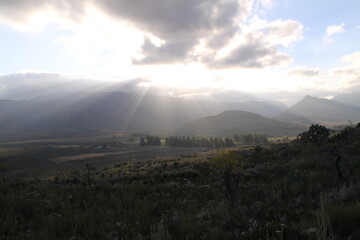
x=273 y=49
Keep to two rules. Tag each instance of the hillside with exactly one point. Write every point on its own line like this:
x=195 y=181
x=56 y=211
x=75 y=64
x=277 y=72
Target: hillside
x=231 y=122
x=319 y=109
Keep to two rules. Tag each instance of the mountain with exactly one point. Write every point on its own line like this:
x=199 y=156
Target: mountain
x=231 y=122
x=263 y=108
x=116 y=111
x=348 y=98
x=319 y=109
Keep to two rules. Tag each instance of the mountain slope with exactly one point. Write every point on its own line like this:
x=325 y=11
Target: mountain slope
x=319 y=109
x=231 y=122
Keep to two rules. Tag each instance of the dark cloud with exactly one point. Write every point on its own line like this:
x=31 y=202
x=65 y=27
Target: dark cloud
x=168 y=53
x=171 y=20
x=181 y=25
x=20 y=11
x=254 y=53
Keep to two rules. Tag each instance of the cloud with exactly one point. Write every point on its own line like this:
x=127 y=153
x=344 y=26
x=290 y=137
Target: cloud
x=221 y=24
x=180 y=24
x=349 y=75
x=252 y=53
x=305 y=72
x=33 y=15
x=283 y=33
x=257 y=45
x=177 y=31
x=333 y=81
x=170 y=52
x=353 y=58
x=334 y=29
x=177 y=19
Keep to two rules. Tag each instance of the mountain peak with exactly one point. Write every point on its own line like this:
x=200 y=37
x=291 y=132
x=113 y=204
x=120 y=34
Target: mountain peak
x=320 y=109
x=308 y=97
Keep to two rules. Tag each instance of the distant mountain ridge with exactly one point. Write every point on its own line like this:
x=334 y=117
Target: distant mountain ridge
x=320 y=109
x=116 y=111
x=234 y=122
x=146 y=112
x=348 y=98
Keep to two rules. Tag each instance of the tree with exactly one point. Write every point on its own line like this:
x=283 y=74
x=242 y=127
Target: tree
x=142 y=142
x=316 y=134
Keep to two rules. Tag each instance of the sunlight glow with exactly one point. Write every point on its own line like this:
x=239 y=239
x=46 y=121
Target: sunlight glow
x=95 y=41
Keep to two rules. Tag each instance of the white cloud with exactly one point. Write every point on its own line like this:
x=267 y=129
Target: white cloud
x=283 y=32
x=334 y=29
x=349 y=75
x=353 y=58
x=335 y=80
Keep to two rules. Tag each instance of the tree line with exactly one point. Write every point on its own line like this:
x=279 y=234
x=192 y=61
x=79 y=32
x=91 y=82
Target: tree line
x=202 y=141
x=193 y=141
x=250 y=138
x=150 y=140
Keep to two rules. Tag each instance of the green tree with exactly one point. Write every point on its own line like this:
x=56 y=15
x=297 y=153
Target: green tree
x=316 y=134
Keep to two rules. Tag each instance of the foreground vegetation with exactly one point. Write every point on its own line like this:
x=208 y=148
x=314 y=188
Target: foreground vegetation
x=306 y=189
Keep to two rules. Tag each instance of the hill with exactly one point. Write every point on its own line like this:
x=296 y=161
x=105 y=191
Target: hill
x=231 y=122
x=319 y=109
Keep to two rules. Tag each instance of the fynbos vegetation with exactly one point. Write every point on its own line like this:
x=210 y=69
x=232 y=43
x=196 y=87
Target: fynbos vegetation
x=304 y=189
